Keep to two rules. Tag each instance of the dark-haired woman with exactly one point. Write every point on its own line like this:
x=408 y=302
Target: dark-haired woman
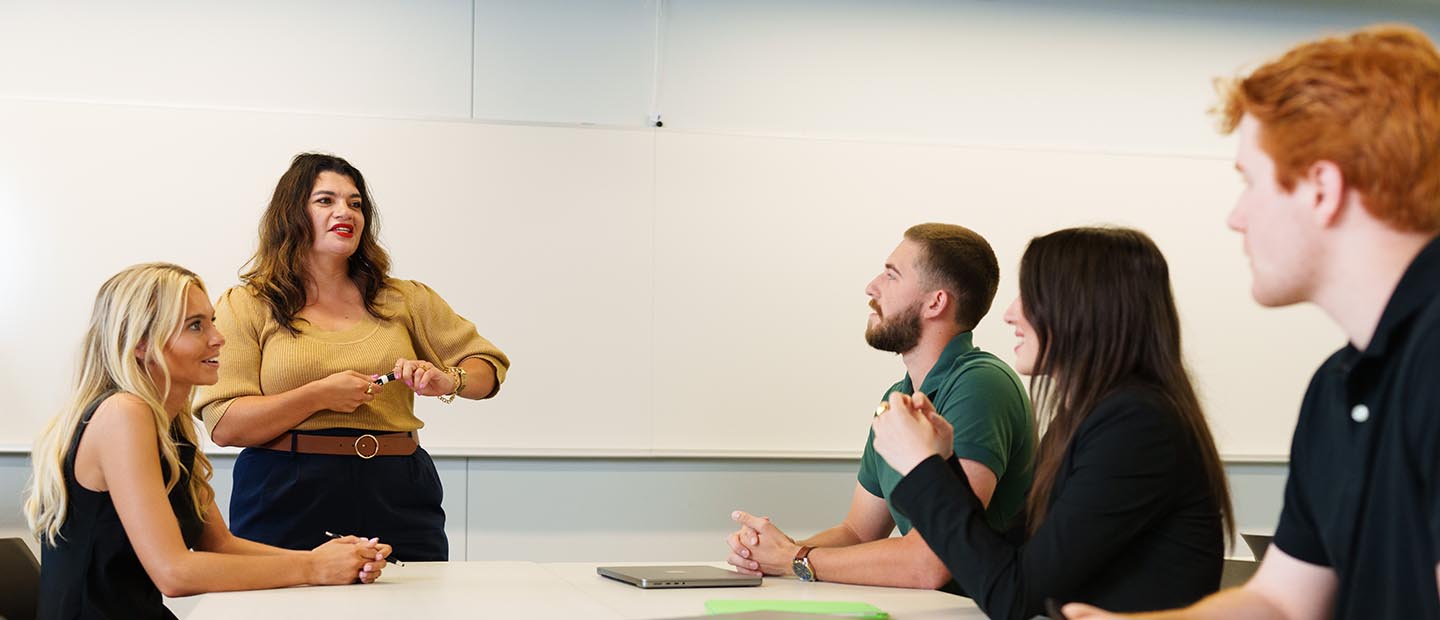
x=1129 y=509
x=315 y=323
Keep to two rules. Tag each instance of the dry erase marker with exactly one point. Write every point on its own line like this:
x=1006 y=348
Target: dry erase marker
x=385 y=378
x=390 y=559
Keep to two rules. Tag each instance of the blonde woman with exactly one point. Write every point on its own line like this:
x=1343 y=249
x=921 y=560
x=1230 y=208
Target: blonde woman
x=120 y=496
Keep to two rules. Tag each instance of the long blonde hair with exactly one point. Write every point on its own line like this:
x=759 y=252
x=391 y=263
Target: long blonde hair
x=144 y=304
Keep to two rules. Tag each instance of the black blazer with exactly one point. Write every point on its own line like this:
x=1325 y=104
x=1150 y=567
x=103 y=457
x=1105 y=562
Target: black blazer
x=1131 y=525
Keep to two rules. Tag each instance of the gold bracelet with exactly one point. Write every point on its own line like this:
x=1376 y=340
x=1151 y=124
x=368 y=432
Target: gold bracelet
x=457 y=374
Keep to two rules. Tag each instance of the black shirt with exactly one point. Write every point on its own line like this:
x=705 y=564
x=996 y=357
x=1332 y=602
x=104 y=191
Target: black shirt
x=1131 y=525
x=1363 y=497
x=92 y=571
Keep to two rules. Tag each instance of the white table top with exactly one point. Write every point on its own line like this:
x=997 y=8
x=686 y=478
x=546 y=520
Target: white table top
x=435 y=590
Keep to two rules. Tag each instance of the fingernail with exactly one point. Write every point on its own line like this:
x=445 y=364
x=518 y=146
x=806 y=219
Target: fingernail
x=735 y=515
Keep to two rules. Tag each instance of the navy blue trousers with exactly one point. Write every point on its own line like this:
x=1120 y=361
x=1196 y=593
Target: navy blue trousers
x=290 y=500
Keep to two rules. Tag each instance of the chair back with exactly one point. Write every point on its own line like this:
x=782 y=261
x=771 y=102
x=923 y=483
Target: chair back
x=20 y=588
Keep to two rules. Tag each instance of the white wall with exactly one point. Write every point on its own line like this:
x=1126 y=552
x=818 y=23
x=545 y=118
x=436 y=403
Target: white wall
x=672 y=278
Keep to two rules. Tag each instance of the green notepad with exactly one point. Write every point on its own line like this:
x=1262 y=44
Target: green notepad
x=850 y=609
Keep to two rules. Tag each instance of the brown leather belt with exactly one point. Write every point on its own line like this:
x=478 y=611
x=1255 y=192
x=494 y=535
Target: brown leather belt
x=364 y=446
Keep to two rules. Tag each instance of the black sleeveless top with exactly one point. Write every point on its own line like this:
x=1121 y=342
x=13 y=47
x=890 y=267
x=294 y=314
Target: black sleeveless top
x=92 y=571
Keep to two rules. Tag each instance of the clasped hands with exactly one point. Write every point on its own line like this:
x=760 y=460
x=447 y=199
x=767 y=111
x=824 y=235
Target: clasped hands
x=349 y=559
x=760 y=548
x=910 y=431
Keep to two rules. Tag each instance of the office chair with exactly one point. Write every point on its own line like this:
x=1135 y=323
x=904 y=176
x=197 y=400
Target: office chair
x=20 y=589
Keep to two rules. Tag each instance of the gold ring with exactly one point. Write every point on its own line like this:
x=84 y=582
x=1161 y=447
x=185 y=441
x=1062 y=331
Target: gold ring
x=884 y=406
x=370 y=389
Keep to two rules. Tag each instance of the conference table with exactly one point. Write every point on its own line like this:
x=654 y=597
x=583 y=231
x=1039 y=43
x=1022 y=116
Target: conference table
x=544 y=591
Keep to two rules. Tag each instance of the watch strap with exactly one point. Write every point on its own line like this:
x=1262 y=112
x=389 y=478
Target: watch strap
x=803 y=557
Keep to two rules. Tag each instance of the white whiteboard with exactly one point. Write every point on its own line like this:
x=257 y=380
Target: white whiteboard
x=659 y=292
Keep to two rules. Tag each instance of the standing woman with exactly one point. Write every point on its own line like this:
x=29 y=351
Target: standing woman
x=315 y=322
x=120 y=496
x=1129 y=508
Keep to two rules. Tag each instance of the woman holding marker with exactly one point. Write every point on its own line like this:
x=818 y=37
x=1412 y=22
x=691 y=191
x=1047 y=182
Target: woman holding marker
x=1129 y=506
x=120 y=495
x=329 y=444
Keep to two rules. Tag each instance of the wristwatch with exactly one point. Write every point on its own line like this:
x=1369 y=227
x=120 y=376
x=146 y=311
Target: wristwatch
x=801 y=565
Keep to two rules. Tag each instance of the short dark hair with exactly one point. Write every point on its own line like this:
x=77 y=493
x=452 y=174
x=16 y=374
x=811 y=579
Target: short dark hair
x=960 y=261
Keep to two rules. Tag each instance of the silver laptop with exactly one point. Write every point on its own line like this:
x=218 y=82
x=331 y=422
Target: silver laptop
x=649 y=577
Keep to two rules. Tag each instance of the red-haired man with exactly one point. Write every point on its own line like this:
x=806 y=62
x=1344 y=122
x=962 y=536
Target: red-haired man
x=1340 y=153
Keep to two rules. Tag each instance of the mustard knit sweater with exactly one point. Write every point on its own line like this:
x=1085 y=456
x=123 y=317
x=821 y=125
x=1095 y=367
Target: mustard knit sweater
x=261 y=358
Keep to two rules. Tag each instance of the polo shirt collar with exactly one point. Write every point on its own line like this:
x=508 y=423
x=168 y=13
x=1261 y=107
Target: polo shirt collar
x=961 y=344
x=1417 y=288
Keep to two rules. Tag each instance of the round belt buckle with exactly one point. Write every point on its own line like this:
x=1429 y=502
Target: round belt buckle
x=373 y=452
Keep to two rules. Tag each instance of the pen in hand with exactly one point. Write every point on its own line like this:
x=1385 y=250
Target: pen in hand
x=391 y=559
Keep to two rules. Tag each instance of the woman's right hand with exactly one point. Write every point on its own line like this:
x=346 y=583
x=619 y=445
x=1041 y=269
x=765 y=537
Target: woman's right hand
x=346 y=560
x=344 y=391
x=910 y=432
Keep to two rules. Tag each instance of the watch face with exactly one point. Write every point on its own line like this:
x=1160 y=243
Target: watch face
x=802 y=570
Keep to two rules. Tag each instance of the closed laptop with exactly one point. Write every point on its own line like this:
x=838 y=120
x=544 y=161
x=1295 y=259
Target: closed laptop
x=649 y=577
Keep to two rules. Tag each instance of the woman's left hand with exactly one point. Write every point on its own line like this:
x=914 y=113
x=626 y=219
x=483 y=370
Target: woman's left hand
x=911 y=431
x=425 y=378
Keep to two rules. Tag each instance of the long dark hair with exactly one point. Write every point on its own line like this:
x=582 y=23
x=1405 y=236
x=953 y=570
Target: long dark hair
x=277 y=270
x=1100 y=302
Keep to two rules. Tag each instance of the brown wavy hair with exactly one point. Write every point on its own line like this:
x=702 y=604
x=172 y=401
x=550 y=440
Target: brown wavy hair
x=276 y=273
x=1369 y=102
x=1104 y=315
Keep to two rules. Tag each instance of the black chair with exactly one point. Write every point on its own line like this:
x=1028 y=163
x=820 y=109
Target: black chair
x=20 y=588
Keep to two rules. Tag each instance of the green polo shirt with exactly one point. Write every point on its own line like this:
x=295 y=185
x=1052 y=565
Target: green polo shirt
x=986 y=402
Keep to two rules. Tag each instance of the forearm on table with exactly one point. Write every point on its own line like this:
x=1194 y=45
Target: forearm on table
x=1232 y=604
x=838 y=536
x=904 y=562
x=255 y=420
x=1283 y=588
x=198 y=572
x=235 y=545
